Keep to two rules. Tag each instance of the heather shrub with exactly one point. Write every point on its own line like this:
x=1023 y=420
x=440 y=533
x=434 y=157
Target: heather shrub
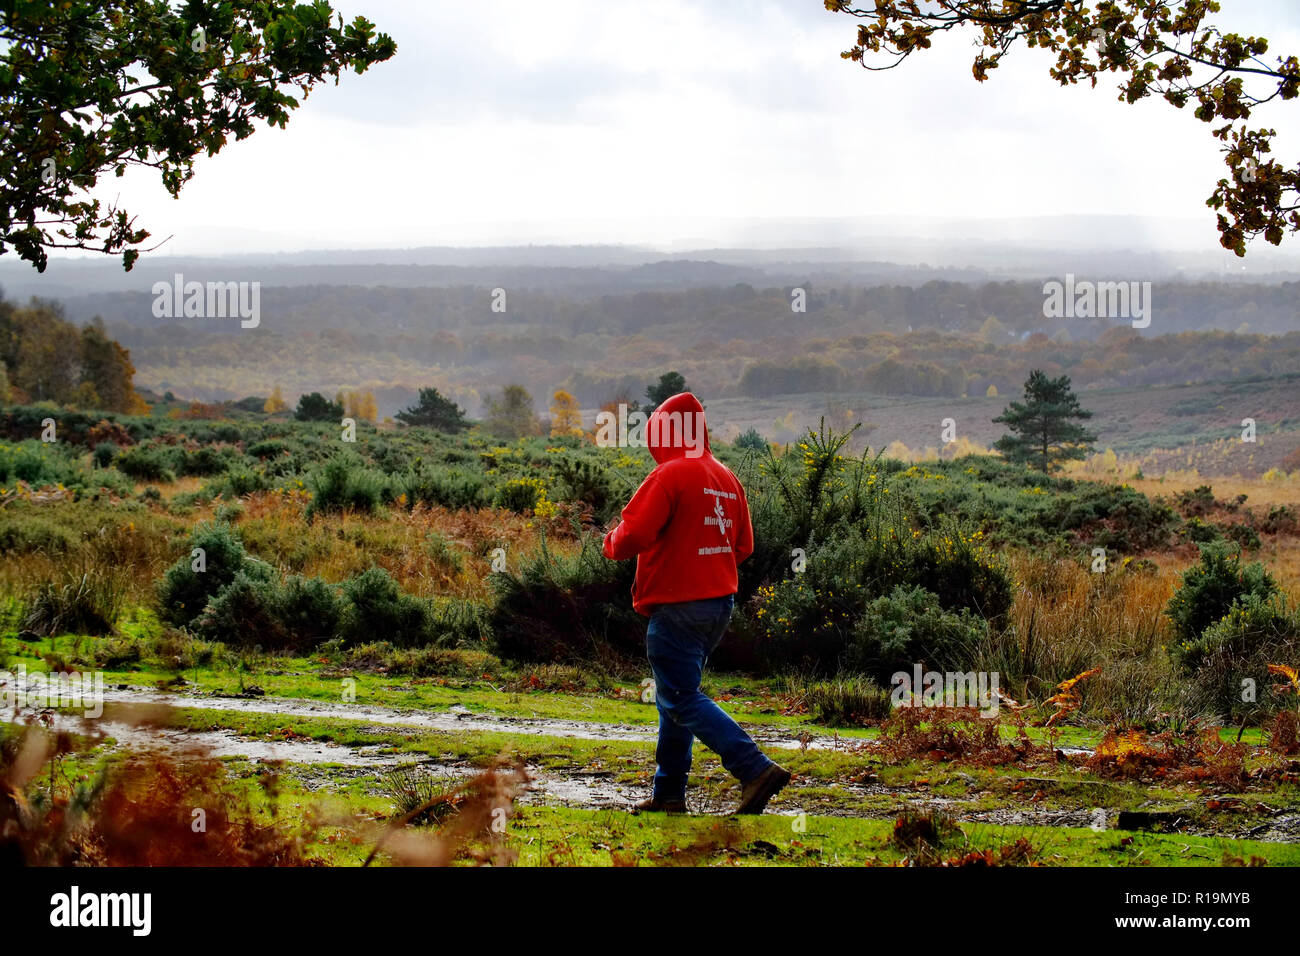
x=377 y=609
x=215 y=557
x=344 y=483
x=1227 y=664
x=453 y=487
x=1209 y=590
x=567 y=609
x=148 y=462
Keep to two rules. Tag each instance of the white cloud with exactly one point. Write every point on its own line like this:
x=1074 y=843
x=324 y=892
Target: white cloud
x=575 y=120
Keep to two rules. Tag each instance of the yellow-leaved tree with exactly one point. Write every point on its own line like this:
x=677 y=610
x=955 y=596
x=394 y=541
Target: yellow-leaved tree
x=359 y=405
x=566 y=417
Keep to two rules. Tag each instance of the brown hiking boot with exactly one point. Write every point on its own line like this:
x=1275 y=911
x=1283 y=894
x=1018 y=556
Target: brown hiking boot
x=755 y=794
x=659 y=806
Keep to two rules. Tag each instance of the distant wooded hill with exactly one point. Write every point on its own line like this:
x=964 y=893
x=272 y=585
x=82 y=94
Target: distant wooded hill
x=936 y=339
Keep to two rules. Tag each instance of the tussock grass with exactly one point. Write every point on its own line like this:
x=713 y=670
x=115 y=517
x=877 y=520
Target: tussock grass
x=845 y=701
x=1067 y=619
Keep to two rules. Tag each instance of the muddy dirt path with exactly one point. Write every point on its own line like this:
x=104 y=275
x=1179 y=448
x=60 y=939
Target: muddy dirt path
x=321 y=766
x=459 y=720
x=585 y=789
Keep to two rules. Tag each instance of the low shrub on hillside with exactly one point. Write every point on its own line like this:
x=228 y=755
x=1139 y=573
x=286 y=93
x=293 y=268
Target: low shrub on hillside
x=520 y=495
x=1196 y=502
x=449 y=487
x=103 y=454
x=237 y=482
x=826 y=631
x=291 y=615
x=344 y=483
x=1210 y=589
x=1228 y=663
x=222 y=594
x=215 y=557
x=244 y=613
x=43 y=464
x=148 y=462
x=1281 y=519
x=268 y=448
x=25 y=533
x=1013 y=504
x=378 y=609
x=567 y=609
x=1229 y=623
x=589 y=483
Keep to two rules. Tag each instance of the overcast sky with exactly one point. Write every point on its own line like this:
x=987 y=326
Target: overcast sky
x=587 y=121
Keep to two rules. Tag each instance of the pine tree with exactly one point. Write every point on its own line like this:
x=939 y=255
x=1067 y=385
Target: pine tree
x=1043 y=431
x=670 y=383
x=315 y=407
x=434 y=411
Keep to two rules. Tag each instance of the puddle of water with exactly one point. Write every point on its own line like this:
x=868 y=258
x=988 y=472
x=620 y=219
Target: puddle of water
x=456 y=719
x=589 y=791
x=584 y=790
x=220 y=743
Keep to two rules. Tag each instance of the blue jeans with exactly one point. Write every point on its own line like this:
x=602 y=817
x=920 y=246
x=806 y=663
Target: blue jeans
x=679 y=640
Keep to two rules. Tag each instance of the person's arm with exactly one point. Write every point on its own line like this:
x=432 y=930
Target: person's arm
x=744 y=529
x=643 y=518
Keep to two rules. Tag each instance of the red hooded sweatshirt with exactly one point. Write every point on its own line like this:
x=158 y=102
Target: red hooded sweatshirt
x=688 y=523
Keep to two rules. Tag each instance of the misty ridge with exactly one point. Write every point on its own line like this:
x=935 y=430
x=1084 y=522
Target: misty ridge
x=599 y=320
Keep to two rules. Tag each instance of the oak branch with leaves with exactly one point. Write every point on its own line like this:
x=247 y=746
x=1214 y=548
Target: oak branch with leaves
x=1157 y=48
x=93 y=86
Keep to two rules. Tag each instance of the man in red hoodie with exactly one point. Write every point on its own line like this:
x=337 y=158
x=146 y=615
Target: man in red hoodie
x=688 y=527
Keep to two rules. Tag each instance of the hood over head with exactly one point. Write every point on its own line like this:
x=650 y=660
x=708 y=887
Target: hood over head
x=677 y=429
